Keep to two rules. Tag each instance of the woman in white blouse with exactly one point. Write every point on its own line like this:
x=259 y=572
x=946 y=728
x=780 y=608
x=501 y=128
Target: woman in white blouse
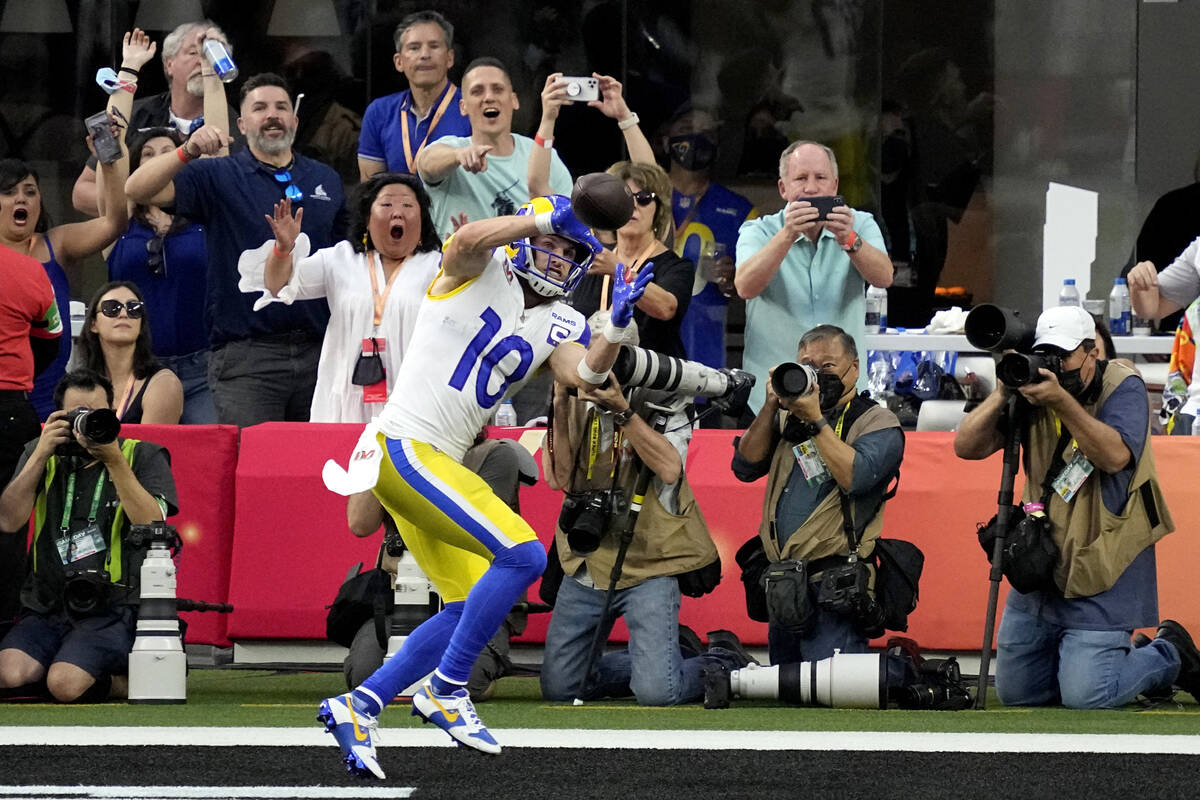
x=374 y=283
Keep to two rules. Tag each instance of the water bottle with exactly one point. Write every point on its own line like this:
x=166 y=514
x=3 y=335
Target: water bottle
x=1119 y=311
x=506 y=415
x=879 y=376
x=876 y=319
x=1068 y=295
x=222 y=63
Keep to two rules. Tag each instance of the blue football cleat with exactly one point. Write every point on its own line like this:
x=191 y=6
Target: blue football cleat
x=355 y=732
x=455 y=714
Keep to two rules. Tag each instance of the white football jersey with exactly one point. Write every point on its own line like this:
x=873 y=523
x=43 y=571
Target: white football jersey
x=469 y=349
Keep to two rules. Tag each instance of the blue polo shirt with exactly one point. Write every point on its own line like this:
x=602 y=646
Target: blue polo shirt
x=231 y=197
x=381 y=139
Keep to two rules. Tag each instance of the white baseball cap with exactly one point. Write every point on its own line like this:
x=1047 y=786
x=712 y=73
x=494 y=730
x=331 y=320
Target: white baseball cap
x=1065 y=327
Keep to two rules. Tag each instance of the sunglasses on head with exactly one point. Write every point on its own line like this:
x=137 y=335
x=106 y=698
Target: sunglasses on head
x=154 y=256
x=112 y=308
x=644 y=198
x=292 y=192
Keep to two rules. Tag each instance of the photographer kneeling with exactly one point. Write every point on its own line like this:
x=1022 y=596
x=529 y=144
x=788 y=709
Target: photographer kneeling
x=593 y=452
x=827 y=453
x=1087 y=461
x=78 y=603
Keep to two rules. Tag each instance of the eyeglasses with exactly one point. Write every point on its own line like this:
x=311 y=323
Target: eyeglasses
x=644 y=198
x=292 y=192
x=136 y=309
x=155 y=258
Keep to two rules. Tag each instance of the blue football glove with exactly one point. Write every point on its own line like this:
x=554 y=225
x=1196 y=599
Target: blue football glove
x=626 y=294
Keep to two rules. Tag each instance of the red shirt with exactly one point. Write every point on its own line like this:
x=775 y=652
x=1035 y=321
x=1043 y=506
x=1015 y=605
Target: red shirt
x=27 y=308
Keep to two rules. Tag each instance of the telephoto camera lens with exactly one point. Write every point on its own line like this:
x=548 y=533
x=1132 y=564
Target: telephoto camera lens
x=793 y=380
x=100 y=425
x=1020 y=369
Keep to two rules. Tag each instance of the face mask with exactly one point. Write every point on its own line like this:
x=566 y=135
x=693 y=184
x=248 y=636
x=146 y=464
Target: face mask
x=830 y=388
x=694 y=152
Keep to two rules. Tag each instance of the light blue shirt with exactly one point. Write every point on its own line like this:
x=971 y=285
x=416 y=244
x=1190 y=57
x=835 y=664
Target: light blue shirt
x=816 y=284
x=496 y=192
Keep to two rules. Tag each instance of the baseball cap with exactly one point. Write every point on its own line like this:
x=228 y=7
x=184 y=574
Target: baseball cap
x=1065 y=327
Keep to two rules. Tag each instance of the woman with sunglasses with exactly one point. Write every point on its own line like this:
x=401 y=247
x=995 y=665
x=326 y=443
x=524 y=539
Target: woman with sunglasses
x=644 y=239
x=165 y=255
x=374 y=283
x=641 y=241
x=115 y=342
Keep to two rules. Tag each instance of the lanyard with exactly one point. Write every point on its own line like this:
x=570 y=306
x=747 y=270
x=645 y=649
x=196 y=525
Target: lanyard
x=681 y=228
x=841 y=419
x=1058 y=430
x=409 y=158
x=70 y=502
x=380 y=299
x=630 y=271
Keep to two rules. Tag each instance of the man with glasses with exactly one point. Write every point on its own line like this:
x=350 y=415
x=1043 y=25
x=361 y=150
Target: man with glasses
x=396 y=128
x=79 y=599
x=193 y=87
x=485 y=174
x=798 y=267
x=827 y=453
x=263 y=365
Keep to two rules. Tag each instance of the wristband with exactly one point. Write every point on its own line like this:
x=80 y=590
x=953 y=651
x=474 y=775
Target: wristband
x=544 y=222
x=279 y=253
x=849 y=246
x=130 y=70
x=129 y=86
x=629 y=122
x=546 y=143
x=589 y=375
x=183 y=154
x=617 y=335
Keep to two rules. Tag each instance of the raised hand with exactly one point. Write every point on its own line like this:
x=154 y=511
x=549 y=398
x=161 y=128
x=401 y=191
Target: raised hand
x=207 y=141
x=554 y=96
x=626 y=294
x=611 y=102
x=284 y=225
x=137 y=48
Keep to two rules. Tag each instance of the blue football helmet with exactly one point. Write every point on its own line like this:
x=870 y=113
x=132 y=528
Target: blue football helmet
x=566 y=225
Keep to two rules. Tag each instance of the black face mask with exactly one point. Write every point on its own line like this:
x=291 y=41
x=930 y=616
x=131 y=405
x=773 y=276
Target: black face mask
x=694 y=152
x=368 y=370
x=1072 y=382
x=831 y=389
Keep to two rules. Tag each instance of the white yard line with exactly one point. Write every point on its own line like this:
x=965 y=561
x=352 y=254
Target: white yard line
x=622 y=739
x=206 y=792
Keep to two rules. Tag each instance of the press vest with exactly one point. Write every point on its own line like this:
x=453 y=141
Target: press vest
x=1095 y=545
x=663 y=543
x=822 y=534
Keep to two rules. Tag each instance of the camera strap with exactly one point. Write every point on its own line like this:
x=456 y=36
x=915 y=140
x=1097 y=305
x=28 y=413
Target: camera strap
x=1057 y=463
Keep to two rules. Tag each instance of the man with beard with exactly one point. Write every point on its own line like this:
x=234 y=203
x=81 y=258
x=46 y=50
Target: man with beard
x=1090 y=479
x=193 y=87
x=830 y=456
x=264 y=364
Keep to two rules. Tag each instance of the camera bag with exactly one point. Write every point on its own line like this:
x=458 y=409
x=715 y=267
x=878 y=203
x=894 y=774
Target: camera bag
x=364 y=595
x=754 y=562
x=897 y=575
x=789 y=600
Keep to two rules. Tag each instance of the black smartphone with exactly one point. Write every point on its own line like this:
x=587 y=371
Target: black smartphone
x=108 y=149
x=825 y=203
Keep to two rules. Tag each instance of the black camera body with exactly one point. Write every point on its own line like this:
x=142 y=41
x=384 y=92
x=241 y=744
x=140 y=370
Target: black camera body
x=996 y=329
x=86 y=592
x=845 y=589
x=99 y=425
x=585 y=516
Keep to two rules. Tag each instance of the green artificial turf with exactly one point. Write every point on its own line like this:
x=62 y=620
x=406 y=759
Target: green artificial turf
x=235 y=697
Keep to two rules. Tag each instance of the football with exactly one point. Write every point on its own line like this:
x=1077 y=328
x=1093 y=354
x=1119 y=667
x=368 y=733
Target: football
x=602 y=201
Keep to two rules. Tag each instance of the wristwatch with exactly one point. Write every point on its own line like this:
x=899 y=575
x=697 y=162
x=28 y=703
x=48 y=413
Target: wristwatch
x=622 y=418
x=855 y=244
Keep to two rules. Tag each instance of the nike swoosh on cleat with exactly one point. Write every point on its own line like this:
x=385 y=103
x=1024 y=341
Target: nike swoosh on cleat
x=359 y=733
x=451 y=716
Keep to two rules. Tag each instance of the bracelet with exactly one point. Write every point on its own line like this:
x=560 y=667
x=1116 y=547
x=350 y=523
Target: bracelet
x=279 y=253
x=629 y=122
x=130 y=70
x=129 y=86
x=183 y=153
x=546 y=143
